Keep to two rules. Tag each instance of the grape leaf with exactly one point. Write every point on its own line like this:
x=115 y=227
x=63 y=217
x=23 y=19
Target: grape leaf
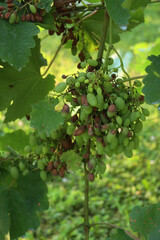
x=137 y=17
x=135 y=4
x=16 y=41
x=72 y=159
x=121 y=235
x=16 y=140
x=49 y=120
x=146 y=220
x=20 y=202
x=45 y=4
x=94 y=25
x=152 y=81
x=119 y=14
x=23 y=87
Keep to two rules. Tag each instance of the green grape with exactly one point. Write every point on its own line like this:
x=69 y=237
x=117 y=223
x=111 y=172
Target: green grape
x=114 y=143
x=137 y=83
x=126 y=142
x=25 y=172
x=145 y=112
x=119 y=149
x=102 y=167
x=70 y=80
x=74 y=50
x=54 y=135
x=38 y=150
x=138 y=127
x=108 y=151
x=125 y=110
x=12 y=18
x=121 y=138
x=107 y=77
x=60 y=87
x=82 y=74
x=136 y=142
x=85 y=136
x=40 y=165
x=128 y=153
x=70 y=129
x=83 y=64
x=93 y=162
x=43 y=135
x=27 y=149
x=130 y=146
x=92 y=100
x=83 y=115
x=126 y=122
x=142 y=117
x=32 y=8
x=86 y=81
x=105 y=106
x=100 y=148
x=110 y=61
x=138 y=114
x=124 y=96
x=45 y=149
x=110 y=137
x=77 y=84
x=21 y=166
x=14 y=172
x=100 y=101
x=133 y=116
x=43 y=176
x=125 y=131
x=88 y=109
x=107 y=87
x=32 y=140
x=111 y=114
x=79 y=141
x=92 y=62
x=90 y=75
x=99 y=91
x=81 y=79
x=120 y=104
x=119 y=120
x=90 y=90
x=44 y=160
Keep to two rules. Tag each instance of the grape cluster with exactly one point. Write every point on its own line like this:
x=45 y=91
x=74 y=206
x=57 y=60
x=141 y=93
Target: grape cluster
x=24 y=11
x=102 y=116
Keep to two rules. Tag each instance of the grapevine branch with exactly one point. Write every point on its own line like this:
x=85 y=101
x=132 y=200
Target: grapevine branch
x=103 y=38
x=110 y=44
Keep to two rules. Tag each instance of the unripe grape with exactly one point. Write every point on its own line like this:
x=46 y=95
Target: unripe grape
x=27 y=149
x=70 y=129
x=102 y=167
x=114 y=143
x=12 y=18
x=32 y=8
x=100 y=102
x=40 y=165
x=137 y=83
x=43 y=176
x=32 y=140
x=83 y=64
x=128 y=154
x=119 y=120
x=145 y=112
x=126 y=122
x=21 y=166
x=100 y=148
x=110 y=61
x=107 y=87
x=54 y=135
x=14 y=172
x=92 y=62
x=79 y=140
x=120 y=104
x=77 y=84
x=126 y=142
x=45 y=149
x=138 y=127
x=25 y=172
x=38 y=150
x=92 y=100
x=60 y=87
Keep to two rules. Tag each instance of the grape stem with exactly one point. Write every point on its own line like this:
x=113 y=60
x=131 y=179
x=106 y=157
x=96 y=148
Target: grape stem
x=103 y=37
x=86 y=201
x=110 y=44
x=115 y=226
x=123 y=69
x=133 y=78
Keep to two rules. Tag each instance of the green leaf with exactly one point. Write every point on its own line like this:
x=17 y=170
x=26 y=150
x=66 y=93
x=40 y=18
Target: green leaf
x=93 y=26
x=16 y=41
x=50 y=119
x=47 y=22
x=20 y=89
x=146 y=221
x=72 y=159
x=152 y=81
x=45 y=4
x=121 y=235
x=16 y=140
x=20 y=202
x=135 y=4
x=119 y=14
x=137 y=17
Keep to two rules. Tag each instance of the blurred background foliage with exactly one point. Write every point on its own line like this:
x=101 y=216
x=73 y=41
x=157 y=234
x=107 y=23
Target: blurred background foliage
x=127 y=182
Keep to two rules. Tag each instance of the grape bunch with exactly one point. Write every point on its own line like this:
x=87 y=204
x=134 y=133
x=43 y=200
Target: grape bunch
x=102 y=116
x=14 y=11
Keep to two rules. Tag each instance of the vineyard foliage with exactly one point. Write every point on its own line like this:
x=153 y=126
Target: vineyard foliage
x=94 y=112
